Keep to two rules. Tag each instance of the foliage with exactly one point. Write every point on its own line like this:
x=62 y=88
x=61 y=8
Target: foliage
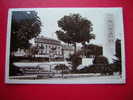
x=75 y=29
x=92 y=50
x=25 y=26
x=33 y=51
x=14 y=70
x=100 y=60
x=117 y=61
x=61 y=67
x=76 y=61
x=101 y=65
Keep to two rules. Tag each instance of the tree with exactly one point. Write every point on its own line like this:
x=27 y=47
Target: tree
x=92 y=50
x=101 y=65
x=25 y=26
x=117 y=61
x=34 y=51
x=61 y=67
x=76 y=61
x=100 y=60
x=75 y=29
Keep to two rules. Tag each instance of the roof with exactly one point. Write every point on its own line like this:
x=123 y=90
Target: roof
x=47 y=40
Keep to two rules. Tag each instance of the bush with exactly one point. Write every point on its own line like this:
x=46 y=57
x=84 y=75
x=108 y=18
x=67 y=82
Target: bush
x=61 y=67
x=100 y=60
x=76 y=61
x=101 y=65
x=14 y=70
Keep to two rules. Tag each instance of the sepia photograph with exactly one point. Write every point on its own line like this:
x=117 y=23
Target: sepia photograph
x=65 y=46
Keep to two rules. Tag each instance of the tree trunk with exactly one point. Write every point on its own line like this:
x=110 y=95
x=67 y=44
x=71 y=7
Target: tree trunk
x=84 y=49
x=74 y=48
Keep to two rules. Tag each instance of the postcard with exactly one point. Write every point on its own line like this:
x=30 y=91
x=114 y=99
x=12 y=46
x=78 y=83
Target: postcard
x=65 y=46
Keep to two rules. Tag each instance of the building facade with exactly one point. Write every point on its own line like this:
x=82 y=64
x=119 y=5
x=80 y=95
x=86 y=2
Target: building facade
x=67 y=50
x=49 y=48
x=45 y=48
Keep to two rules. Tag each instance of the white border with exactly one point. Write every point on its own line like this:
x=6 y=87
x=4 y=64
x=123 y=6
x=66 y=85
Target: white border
x=123 y=50
x=96 y=81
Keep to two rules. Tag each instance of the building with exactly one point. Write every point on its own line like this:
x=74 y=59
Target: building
x=48 y=48
x=67 y=50
x=109 y=46
x=92 y=50
x=20 y=53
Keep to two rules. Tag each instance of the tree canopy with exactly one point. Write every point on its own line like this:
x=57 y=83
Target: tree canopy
x=101 y=60
x=75 y=29
x=25 y=26
x=118 y=49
